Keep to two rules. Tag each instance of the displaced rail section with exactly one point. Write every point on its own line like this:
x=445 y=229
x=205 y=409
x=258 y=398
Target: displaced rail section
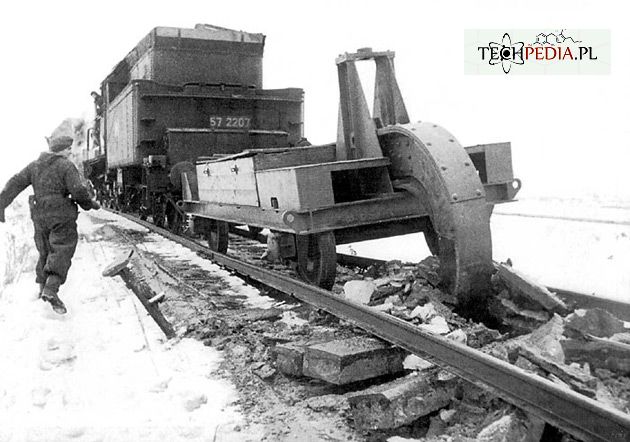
x=572 y=412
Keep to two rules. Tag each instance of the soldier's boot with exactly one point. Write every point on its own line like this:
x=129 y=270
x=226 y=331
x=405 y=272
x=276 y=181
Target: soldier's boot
x=41 y=289
x=51 y=297
x=49 y=294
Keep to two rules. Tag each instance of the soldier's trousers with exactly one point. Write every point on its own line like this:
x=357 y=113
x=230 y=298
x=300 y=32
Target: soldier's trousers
x=56 y=240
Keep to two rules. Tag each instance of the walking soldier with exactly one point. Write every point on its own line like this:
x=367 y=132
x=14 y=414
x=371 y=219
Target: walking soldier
x=57 y=190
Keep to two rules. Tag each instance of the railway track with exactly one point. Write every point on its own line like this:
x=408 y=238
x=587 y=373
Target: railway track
x=574 y=413
x=582 y=300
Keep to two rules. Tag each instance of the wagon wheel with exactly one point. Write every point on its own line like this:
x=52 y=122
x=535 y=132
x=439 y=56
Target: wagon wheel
x=217 y=235
x=174 y=220
x=157 y=209
x=158 y=215
x=317 y=259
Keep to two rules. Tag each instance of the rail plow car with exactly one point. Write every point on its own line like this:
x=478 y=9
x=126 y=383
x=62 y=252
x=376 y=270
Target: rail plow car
x=188 y=132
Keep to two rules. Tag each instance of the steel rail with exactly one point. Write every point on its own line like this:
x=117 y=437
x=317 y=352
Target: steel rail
x=572 y=412
x=567 y=218
x=580 y=300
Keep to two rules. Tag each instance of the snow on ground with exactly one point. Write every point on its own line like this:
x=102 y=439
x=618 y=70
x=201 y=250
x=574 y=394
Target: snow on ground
x=170 y=249
x=407 y=248
x=103 y=372
x=120 y=221
x=157 y=244
x=583 y=256
x=608 y=212
x=15 y=241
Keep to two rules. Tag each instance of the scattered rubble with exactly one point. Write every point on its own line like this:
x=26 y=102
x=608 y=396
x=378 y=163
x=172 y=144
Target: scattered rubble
x=328 y=402
x=599 y=353
x=413 y=362
x=359 y=291
x=401 y=401
x=317 y=364
x=458 y=335
x=513 y=426
x=595 y=322
x=525 y=286
x=436 y=325
x=424 y=312
x=263 y=370
x=577 y=379
x=547 y=339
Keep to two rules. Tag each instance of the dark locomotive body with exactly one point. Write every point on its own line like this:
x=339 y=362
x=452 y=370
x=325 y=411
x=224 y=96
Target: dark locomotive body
x=181 y=95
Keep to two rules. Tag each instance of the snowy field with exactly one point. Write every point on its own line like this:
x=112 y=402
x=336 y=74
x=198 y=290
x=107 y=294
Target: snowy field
x=103 y=371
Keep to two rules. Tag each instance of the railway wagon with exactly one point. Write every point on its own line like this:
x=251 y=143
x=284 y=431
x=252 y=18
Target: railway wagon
x=179 y=95
x=384 y=176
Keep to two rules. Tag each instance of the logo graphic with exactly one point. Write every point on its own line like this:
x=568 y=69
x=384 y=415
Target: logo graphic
x=551 y=39
x=505 y=53
x=537 y=52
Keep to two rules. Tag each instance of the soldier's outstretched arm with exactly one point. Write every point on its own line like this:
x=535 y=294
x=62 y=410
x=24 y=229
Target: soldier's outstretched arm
x=13 y=188
x=75 y=186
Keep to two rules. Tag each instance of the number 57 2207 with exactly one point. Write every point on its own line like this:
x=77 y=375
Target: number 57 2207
x=221 y=122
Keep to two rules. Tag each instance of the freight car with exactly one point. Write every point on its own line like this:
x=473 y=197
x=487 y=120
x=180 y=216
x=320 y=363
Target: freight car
x=179 y=95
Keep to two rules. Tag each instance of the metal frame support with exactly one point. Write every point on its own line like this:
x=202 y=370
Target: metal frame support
x=389 y=106
x=356 y=135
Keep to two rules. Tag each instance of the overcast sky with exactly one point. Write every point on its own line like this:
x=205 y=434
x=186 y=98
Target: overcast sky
x=570 y=134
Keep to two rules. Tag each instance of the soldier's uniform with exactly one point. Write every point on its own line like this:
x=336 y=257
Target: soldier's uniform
x=57 y=189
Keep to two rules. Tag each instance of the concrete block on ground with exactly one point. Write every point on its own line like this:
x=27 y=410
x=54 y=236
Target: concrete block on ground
x=436 y=325
x=458 y=336
x=547 y=339
x=359 y=291
x=419 y=295
x=479 y=335
x=513 y=427
x=414 y=362
x=624 y=338
x=400 y=402
x=525 y=286
x=513 y=309
x=576 y=378
x=424 y=312
x=599 y=353
x=595 y=321
x=289 y=358
x=349 y=360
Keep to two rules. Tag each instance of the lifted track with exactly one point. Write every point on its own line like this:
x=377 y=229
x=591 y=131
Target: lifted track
x=574 y=413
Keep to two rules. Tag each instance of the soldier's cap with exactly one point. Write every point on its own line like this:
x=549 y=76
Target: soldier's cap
x=60 y=143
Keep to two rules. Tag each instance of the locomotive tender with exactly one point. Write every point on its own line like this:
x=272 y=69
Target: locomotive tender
x=188 y=131
x=181 y=94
